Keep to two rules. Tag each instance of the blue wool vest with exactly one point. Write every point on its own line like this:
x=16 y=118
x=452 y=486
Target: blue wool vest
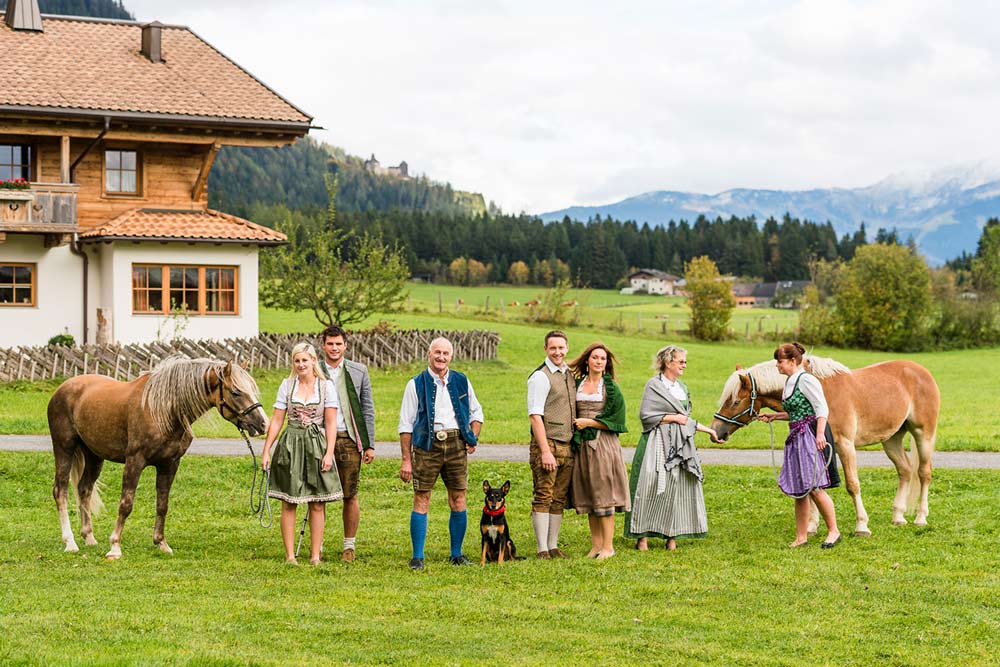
x=458 y=391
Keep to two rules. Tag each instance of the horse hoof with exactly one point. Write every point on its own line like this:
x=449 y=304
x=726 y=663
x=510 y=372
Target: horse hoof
x=89 y=541
x=920 y=521
x=71 y=548
x=812 y=531
x=862 y=532
x=899 y=522
x=165 y=548
x=115 y=553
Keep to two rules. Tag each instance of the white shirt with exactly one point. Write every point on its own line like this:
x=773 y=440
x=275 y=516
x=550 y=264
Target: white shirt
x=812 y=390
x=674 y=388
x=580 y=396
x=329 y=395
x=444 y=412
x=334 y=374
x=539 y=385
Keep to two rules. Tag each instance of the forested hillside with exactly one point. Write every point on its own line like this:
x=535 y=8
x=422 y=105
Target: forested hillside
x=295 y=176
x=108 y=9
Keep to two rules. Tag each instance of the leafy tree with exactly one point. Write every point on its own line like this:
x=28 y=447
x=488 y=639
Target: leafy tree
x=711 y=299
x=884 y=298
x=341 y=277
x=986 y=264
x=518 y=273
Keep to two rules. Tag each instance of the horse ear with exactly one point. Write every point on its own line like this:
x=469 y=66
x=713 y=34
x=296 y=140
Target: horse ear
x=739 y=367
x=228 y=370
x=245 y=365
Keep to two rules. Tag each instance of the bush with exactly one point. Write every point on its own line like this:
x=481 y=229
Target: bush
x=63 y=340
x=711 y=299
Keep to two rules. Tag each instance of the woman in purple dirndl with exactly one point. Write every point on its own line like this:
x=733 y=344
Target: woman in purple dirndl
x=804 y=473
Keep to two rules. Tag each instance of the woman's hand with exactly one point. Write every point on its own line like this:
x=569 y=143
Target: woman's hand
x=821 y=441
x=713 y=435
x=327 y=462
x=581 y=423
x=265 y=459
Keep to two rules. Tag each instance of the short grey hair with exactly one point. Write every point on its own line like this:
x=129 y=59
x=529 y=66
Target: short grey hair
x=440 y=339
x=665 y=355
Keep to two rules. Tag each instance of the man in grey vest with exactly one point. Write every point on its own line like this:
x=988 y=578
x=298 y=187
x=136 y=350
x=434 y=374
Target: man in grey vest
x=551 y=410
x=355 y=427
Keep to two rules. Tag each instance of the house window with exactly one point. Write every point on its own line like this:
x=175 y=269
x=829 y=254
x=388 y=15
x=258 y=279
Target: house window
x=197 y=290
x=17 y=284
x=121 y=172
x=15 y=162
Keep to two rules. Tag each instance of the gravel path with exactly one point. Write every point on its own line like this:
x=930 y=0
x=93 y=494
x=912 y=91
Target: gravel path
x=519 y=453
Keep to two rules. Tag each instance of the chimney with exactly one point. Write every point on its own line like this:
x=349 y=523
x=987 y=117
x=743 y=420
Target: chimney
x=23 y=15
x=151 y=41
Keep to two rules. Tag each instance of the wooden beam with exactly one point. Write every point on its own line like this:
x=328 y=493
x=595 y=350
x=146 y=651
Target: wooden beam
x=3 y=237
x=64 y=160
x=181 y=136
x=206 y=166
x=56 y=240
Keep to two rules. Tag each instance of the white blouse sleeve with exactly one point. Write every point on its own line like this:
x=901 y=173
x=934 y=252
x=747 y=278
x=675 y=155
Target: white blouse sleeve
x=813 y=390
x=330 y=397
x=281 y=402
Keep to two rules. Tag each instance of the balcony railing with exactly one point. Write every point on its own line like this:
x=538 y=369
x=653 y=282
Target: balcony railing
x=45 y=207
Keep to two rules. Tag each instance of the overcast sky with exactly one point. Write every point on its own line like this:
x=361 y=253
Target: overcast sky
x=543 y=105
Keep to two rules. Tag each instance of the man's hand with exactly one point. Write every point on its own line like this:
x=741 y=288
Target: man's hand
x=369 y=455
x=406 y=470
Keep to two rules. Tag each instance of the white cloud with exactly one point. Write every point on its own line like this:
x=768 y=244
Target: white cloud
x=545 y=105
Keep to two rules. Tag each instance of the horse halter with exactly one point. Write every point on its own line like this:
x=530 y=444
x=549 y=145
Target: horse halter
x=240 y=414
x=752 y=414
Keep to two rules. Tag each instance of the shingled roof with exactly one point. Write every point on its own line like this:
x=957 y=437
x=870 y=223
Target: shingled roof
x=182 y=225
x=80 y=64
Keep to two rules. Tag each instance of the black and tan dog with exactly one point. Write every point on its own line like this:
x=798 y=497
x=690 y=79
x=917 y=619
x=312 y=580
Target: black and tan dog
x=497 y=545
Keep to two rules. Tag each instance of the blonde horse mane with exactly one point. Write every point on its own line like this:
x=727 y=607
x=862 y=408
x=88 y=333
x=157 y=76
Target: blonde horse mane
x=178 y=390
x=770 y=380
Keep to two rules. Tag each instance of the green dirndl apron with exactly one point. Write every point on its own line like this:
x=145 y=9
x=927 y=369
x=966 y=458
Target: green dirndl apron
x=296 y=474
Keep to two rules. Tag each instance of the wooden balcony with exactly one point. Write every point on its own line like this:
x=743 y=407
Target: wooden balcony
x=45 y=208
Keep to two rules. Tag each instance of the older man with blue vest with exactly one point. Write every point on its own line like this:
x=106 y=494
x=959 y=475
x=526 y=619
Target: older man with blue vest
x=439 y=423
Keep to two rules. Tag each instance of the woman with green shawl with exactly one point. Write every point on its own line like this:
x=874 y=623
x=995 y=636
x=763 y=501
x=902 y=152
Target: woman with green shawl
x=666 y=477
x=600 y=482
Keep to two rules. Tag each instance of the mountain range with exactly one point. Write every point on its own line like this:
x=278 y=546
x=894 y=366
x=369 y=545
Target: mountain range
x=943 y=210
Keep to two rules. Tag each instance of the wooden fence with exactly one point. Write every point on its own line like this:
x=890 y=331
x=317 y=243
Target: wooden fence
x=126 y=362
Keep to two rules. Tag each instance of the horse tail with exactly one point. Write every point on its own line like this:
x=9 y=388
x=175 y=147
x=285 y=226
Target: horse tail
x=75 y=472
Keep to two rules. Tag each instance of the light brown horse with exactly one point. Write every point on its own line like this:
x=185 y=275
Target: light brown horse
x=876 y=404
x=146 y=422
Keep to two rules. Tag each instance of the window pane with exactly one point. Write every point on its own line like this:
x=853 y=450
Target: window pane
x=155 y=276
x=155 y=298
x=128 y=160
x=22 y=294
x=191 y=278
x=6 y=154
x=140 y=277
x=211 y=279
x=176 y=279
x=113 y=181
x=140 y=300
x=6 y=295
x=228 y=278
x=113 y=159
x=128 y=182
x=212 y=301
x=22 y=274
x=6 y=274
x=228 y=302
x=6 y=173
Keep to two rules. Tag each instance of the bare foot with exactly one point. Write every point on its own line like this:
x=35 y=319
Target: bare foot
x=604 y=555
x=292 y=561
x=796 y=543
x=593 y=553
x=671 y=544
x=314 y=561
x=642 y=544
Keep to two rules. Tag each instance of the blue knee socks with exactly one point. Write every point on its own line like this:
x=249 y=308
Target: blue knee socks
x=418 y=533
x=456 y=529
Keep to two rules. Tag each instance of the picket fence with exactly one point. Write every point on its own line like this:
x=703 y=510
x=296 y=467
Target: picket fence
x=126 y=362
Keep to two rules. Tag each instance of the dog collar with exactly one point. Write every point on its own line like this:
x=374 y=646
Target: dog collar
x=489 y=512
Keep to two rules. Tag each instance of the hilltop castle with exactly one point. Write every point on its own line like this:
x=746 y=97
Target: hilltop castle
x=374 y=166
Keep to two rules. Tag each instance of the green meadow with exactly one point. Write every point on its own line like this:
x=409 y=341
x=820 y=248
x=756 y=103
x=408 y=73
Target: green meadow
x=969 y=419
x=906 y=596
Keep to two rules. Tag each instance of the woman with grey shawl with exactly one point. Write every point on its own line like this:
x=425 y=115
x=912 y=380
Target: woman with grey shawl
x=665 y=481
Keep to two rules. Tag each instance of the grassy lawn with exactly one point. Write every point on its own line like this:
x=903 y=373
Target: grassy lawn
x=969 y=420
x=904 y=597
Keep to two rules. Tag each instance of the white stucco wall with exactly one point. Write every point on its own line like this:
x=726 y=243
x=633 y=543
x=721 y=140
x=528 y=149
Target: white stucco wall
x=115 y=271
x=58 y=297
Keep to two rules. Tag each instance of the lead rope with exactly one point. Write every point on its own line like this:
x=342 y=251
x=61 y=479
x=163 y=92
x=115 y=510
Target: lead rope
x=259 y=504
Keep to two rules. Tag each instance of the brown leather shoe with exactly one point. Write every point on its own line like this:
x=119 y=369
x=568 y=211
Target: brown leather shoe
x=557 y=553
x=543 y=555
x=347 y=556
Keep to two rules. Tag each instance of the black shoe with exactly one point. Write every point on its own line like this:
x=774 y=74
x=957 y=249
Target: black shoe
x=830 y=545
x=460 y=560
x=416 y=563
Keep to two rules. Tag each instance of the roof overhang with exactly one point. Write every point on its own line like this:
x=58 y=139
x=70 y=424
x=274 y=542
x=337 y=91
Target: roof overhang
x=175 y=239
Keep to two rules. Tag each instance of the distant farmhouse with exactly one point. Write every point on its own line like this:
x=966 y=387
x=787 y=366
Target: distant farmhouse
x=652 y=281
x=108 y=131
x=375 y=167
x=780 y=294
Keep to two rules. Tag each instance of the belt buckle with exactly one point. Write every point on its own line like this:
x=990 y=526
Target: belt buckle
x=441 y=435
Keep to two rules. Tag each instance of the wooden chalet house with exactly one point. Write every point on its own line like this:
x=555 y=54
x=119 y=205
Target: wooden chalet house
x=114 y=125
